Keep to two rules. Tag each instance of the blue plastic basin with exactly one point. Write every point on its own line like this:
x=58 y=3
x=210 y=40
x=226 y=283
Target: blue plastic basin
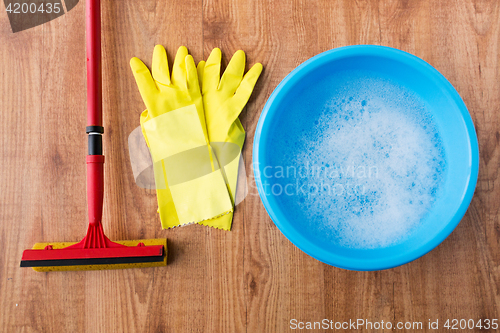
x=449 y=115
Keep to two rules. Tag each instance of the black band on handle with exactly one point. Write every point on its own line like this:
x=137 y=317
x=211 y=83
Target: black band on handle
x=95 y=144
x=95 y=129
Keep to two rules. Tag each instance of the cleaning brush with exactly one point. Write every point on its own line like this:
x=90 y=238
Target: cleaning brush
x=95 y=251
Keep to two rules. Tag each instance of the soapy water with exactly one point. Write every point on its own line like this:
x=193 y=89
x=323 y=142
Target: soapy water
x=364 y=165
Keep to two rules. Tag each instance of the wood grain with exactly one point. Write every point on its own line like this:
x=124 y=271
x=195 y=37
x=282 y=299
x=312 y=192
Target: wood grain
x=251 y=279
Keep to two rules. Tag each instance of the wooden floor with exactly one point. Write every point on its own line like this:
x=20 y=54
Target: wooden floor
x=251 y=279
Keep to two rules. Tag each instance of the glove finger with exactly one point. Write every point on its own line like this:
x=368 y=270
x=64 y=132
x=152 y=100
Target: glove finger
x=179 y=68
x=245 y=89
x=160 y=65
x=143 y=78
x=211 y=74
x=234 y=73
x=192 y=75
x=200 y=70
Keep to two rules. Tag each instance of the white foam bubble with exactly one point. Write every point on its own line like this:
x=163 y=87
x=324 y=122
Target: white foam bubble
x=371 y=165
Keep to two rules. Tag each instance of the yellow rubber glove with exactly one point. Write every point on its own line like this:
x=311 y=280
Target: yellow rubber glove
x=223 y=100
x=190 y=186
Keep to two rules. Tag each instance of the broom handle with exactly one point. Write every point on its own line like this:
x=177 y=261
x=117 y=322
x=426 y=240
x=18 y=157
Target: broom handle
x=95 y=159
x=94 y=85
